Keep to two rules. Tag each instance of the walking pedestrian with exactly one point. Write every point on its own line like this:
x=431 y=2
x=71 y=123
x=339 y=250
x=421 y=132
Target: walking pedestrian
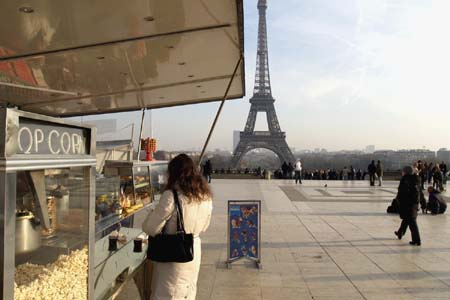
x=371 y=169
x=298 y=172
x=379 y=172
x=408 y=197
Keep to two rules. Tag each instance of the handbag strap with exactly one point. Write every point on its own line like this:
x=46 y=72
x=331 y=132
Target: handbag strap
x=179 y=212
x=180 y=219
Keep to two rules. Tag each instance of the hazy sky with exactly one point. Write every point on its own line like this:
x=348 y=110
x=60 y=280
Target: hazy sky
x=345 y=74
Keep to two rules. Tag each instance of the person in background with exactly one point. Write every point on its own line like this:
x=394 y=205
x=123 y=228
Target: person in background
x=298 y=171
x=284 y=169
x=422 y=176
x=444 y=170
x=437 y=178
x=352 y=173
x=408 y=198
x=207 y=170
x=430 y=172
x=379 y=172
x=290 y=170
x=371 y=169
x=436 y=202
x=179 y=280
x=345 y=173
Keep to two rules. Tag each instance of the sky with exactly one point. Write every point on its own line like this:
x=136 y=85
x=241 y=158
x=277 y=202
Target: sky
x=344 y=74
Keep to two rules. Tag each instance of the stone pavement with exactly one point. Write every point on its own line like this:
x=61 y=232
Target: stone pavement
x=323 y=243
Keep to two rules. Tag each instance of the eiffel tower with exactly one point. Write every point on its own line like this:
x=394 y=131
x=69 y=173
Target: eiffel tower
x=262 y=101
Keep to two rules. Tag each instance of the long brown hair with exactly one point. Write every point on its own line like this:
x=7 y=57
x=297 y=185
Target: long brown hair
x=184 y=175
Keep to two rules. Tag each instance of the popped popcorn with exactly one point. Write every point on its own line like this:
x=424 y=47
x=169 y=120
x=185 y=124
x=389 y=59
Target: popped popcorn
x=66 y=278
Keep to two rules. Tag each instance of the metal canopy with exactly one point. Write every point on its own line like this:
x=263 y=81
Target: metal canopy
x=70 y=58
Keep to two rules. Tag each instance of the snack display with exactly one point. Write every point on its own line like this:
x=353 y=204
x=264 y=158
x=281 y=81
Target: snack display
x=66 y=278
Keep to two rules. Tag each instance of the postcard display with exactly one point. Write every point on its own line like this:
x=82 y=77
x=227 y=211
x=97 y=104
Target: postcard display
x=47 y=221
x=244 y=231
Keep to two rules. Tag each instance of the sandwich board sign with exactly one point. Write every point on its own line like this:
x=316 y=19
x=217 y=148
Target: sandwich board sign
x=244 y=231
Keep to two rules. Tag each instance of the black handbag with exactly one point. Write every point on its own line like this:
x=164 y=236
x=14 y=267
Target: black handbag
x=178 y=247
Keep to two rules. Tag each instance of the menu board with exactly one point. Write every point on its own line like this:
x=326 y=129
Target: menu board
x=244 y=220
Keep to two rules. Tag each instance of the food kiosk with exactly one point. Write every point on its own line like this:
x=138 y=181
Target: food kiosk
x=76 y=58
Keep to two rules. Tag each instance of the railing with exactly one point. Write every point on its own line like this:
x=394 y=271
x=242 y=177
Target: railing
x=263 y=134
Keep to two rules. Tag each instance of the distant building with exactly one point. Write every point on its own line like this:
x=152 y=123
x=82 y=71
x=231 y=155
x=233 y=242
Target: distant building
x=370 y=149
x=236 y=138
x=443 y=154
x=402 y=158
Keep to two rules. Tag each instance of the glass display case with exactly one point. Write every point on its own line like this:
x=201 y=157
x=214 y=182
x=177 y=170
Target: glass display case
x=52 y=234
x=123 y=196
x=47 y=182
x=125 y=189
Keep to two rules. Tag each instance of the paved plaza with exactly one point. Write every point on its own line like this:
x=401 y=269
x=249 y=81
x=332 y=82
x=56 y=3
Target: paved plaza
x=323 y=243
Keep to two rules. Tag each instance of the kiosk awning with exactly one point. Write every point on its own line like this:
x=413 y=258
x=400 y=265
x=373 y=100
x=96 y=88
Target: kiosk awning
x=70 y=58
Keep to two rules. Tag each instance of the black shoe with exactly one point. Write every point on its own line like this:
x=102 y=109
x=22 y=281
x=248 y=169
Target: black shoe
x=415 y=243
x=399 y=236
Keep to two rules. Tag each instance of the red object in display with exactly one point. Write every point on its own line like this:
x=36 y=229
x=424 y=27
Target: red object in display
x=148 y=156
x=150 y=147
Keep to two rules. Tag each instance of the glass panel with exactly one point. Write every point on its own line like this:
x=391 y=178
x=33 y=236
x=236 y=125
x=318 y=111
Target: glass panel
x=108 y=208
x=52 y=233
x=159 y=179
x=142 y=185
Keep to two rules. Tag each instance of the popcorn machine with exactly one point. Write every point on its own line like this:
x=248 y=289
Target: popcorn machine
x=47 y=213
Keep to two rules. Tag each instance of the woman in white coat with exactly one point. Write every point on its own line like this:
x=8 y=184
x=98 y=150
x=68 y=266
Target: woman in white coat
x=179 y=280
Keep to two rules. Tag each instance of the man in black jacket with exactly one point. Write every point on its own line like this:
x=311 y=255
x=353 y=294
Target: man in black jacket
x=371 y=169
x=408 y=197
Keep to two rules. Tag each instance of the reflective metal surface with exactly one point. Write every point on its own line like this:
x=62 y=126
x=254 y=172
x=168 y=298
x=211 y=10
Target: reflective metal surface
x=28 y=235
x=69 y=58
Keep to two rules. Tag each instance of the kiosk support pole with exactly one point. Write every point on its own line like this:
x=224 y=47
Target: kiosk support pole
x=219 y=110
x=140 y=135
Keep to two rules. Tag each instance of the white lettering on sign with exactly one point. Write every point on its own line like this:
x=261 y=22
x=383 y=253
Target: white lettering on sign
x=65 y=146
x=30 y=138
x=76 y=143
x=50 y=142
x=36 y=140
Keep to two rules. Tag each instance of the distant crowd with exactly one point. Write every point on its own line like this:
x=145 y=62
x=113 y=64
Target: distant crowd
x=435 y=174
x=287 y=171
